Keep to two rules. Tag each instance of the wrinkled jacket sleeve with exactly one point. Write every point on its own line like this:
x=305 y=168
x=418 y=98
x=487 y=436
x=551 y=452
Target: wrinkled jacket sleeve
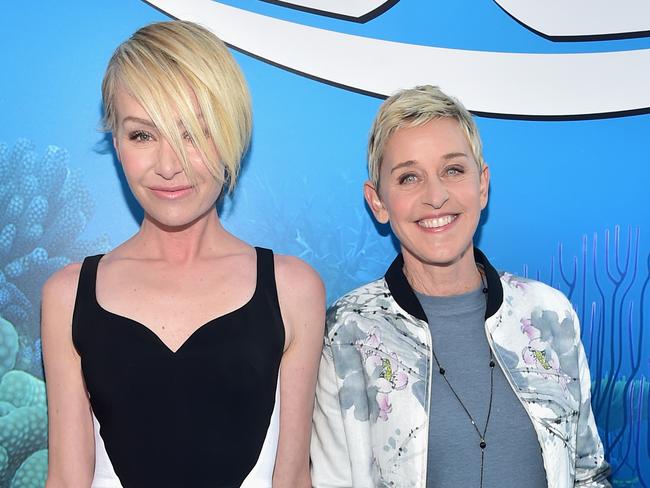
x=330 y=458
x=591 y=468
x=340 y=444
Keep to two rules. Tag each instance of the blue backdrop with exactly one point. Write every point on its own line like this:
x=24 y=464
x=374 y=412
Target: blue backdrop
x=568 y=202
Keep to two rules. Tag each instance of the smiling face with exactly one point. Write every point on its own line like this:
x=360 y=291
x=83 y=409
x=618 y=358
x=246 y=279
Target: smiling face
x=431 y=191
x=154 y=170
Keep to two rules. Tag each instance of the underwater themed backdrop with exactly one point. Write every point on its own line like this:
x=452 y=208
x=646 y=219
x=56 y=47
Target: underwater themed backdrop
x=561 y=100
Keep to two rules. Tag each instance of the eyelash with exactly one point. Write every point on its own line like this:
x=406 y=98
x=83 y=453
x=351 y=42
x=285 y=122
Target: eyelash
x=140 y=136
x=407 y=178
x=411 y=177
x=457 y=170
x=144 y=136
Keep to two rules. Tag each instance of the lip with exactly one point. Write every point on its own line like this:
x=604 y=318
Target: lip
x=171 y=193
x=453 y=218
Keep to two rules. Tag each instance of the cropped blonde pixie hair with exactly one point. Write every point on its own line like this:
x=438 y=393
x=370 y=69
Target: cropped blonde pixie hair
x=414 y=107
x=190 y=85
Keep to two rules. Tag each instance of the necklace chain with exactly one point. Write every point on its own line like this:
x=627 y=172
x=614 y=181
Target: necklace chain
x=481 y=435
x=441 y=370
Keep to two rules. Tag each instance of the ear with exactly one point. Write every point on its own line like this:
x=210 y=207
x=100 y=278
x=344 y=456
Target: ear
x=117 y=148
x=375 y=203
x=484 y=185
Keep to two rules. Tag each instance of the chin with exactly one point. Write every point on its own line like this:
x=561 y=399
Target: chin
x=442 y=257
x=173 y=223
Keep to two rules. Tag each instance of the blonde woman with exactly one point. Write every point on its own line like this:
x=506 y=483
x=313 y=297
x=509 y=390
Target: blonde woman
x=184 y=357
x=444 y=372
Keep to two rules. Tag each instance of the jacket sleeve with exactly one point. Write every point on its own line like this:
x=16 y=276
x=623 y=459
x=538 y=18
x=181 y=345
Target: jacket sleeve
x=340 y=443
x=591 y=468
x=330 y=459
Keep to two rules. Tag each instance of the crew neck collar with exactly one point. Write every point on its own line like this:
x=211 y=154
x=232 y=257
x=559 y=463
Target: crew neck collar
x=406 y=298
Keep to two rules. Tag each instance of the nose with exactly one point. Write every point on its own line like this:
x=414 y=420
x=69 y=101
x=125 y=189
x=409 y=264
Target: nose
x=435 y=194
x=168 y=163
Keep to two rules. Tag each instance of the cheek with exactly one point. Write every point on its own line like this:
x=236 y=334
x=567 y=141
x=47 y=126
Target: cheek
x=133 y=164
x=469 y=195
x=396 y=207
x=129 y=173
x=215 y=190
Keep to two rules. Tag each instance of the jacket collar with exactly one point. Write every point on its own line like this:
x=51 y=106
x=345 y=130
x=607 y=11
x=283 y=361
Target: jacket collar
x=405 y=297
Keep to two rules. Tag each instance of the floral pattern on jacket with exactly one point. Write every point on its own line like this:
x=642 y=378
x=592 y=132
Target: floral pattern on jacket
x=371 y=414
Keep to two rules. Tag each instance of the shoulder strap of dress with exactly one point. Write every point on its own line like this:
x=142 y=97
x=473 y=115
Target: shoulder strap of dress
x=266 y=274
x=88 y=277
x=265 y=269
x=266 y=293
x=85 y=298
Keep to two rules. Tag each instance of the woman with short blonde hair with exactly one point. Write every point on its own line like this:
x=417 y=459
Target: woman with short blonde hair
x=184 y=357
x=445 y=372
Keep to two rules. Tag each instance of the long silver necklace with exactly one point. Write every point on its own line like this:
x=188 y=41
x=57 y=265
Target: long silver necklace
x=481 y=435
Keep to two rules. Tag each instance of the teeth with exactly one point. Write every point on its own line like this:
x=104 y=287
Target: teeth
x=439 y=222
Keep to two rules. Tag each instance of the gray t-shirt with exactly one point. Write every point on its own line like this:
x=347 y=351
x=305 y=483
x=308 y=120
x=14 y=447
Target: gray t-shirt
x=512 y=455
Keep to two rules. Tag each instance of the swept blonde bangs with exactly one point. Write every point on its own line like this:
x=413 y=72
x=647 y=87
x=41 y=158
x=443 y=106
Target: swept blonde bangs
x=187 y=81
x=414 y=107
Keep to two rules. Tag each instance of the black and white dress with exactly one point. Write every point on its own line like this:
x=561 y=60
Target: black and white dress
x=206 y=415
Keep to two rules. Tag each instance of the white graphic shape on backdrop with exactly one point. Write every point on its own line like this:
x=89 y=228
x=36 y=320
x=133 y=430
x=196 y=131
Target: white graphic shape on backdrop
x=348 y=8
x=575 y=18
x=510 y=84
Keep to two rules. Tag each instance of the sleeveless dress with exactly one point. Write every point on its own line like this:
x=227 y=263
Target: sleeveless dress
x=206 y=415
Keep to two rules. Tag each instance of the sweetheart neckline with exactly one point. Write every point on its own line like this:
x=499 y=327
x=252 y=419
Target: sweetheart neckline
x=149 y=331
x=174 y=352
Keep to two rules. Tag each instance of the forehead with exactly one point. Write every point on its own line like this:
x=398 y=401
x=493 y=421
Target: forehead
x=432 y=140
x=126 y=104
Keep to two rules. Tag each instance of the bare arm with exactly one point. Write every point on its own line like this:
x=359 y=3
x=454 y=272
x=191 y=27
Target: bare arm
x=302 y=302
x=70 y=429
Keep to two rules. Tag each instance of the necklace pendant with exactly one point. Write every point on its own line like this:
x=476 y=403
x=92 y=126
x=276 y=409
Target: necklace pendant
x=482 y=444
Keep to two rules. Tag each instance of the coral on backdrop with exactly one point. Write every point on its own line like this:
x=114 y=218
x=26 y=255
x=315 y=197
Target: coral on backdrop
x=23 y=418
x=44 y=208
x=608 y=285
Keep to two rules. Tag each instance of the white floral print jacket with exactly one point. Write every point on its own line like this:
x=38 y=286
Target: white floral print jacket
x=372 y=400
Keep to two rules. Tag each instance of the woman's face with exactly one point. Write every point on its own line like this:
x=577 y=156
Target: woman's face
x=431 y=192
x=154 y=171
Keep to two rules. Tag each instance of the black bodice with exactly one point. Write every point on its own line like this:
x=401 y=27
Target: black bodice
x=196 y=417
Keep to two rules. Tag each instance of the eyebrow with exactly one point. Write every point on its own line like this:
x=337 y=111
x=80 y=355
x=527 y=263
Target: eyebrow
x=149 y=123
x=403 y=164
x=454 y=155
x=138 y=120
x=412 y=162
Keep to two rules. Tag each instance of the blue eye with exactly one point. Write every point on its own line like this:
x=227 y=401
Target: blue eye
x=455 y=171
x=407 y=178
x=140 y=136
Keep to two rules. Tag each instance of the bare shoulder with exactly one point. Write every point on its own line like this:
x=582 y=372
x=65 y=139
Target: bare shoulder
x=302 y=300
x=294 y=277
x=60 y=289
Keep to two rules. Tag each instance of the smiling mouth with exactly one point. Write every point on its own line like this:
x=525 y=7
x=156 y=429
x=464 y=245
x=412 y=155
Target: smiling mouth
x=171 y=193
x=437 y=222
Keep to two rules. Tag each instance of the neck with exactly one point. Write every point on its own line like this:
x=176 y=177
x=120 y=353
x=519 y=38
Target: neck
x=184 y=244
x=442 y=280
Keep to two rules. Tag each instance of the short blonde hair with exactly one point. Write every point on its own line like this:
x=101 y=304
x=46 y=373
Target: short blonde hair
x=187 y=81
x=414 y=107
